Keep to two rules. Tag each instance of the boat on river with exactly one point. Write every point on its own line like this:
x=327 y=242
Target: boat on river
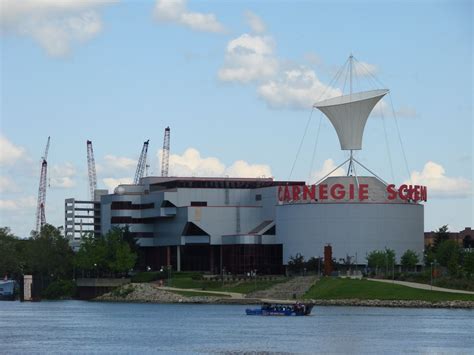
x=268 y=309
x=7 y=290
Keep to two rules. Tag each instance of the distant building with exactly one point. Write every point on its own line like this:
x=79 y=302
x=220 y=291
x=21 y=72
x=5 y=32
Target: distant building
x=464 y=238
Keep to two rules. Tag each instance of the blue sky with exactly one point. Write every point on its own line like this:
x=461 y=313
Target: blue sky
x=235 y=81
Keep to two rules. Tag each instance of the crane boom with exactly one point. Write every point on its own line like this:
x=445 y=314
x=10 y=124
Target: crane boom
x=165 y=159
x=141 y=163
x=91 y=170
x=41 y=204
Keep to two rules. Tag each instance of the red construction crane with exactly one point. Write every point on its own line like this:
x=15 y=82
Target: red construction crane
x=165 y=158
x=91 y=170
x=41 y=205
x=141 y=163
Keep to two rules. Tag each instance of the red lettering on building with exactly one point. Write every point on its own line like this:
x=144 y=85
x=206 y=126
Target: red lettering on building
x=309 y=192
x=296 y=192
x=363 y=192
x=337 y=191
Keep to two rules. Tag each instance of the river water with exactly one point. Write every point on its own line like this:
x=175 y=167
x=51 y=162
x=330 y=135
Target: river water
x=121 y=328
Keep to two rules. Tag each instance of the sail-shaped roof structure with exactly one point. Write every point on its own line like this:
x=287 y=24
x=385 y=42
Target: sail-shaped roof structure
x=349 y=113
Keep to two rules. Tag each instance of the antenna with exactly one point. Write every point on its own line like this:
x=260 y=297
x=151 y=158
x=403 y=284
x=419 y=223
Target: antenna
x=91 y=170
x=166 y=153
x=40 y=207
x=142 y=165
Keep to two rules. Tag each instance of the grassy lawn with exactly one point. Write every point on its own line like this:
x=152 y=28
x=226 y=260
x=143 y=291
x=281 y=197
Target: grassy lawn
x=329 y=288
x=198 y=294
x=239 y=287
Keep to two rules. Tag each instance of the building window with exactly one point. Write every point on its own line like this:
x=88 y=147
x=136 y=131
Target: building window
x=258 y=197
x=198 y=203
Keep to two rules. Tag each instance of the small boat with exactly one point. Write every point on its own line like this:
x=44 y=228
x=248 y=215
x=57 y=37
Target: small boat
x=267 y=309
x=7 y=290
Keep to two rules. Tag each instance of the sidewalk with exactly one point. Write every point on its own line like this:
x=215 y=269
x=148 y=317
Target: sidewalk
x=217 y=293
x=423 y=286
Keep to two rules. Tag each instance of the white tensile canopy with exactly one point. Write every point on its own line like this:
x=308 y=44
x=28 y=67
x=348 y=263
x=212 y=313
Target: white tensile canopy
x=349 y=113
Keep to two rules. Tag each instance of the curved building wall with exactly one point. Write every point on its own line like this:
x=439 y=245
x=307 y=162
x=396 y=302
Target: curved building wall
x=353 y=229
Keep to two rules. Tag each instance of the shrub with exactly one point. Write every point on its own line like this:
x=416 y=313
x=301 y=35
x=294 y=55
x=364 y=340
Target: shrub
x=59 y=289
x=149 y=276
x=123 y=291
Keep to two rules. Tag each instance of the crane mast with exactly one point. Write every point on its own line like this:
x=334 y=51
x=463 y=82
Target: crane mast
x=41 y=205
x=91 y=170
x=141 y=166
x=166 y=153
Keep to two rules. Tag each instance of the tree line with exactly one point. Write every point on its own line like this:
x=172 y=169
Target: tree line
x=48 y=256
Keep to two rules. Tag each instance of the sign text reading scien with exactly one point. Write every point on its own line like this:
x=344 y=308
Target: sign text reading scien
x=323 y=192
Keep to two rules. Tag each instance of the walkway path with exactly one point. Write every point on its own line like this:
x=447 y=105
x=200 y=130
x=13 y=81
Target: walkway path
x=296 y=287
x=217 y=293
x=423 y=286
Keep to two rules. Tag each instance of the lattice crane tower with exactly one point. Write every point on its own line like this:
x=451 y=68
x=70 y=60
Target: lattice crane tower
x=165 y=159
x=141 y=163
x=91 y=170
x=41 y=205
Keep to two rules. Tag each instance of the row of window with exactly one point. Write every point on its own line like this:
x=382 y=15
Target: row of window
x=128 y=205
x=131 y=220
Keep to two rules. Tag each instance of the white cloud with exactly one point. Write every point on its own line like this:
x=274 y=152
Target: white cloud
x=249 y=58
x=9 y=152
x=112 y=183
x=439 y=185
x=175 y=11
x=191 y=163
x=297 y=88
x=362 y=69
x=327 y=167
x=54 y=24
x=61 y=176
x=255 y=22
x=8 y=185
x=120 y=163
x=20 y=203
x=243 y=169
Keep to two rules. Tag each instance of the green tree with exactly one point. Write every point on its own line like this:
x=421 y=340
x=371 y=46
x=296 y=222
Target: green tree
x=409 y=260
x=10 y=259
x=468 y=262
x=442 y=234
x=49 y=254
x=296 y=263
x=381 y=260
x=92 y=254
x=120 y=256
x=448 y=254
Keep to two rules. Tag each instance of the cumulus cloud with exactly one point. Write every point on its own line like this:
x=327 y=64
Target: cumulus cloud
x=327 y=167
x=439 y=185
x=112 y=183
x=62 y=176
x=8 y=185
x=249 y=58
x=53 y=24
x=296 y=88
x=175 y=11
x=17 y=204
x=9 y=152
x=241 y=168
x=191 y=163
x=255 y=22
x=112 y=162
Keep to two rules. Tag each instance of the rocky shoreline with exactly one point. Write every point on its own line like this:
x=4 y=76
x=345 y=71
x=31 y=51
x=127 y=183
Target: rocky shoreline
x=149 y=293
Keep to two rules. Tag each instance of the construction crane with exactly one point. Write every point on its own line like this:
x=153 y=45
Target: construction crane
x=91 y=170
x=141 y=163
x=41 y=205
x=165 y=158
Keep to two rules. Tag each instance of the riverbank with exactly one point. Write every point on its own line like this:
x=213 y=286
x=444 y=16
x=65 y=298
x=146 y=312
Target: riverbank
x=151 y=293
